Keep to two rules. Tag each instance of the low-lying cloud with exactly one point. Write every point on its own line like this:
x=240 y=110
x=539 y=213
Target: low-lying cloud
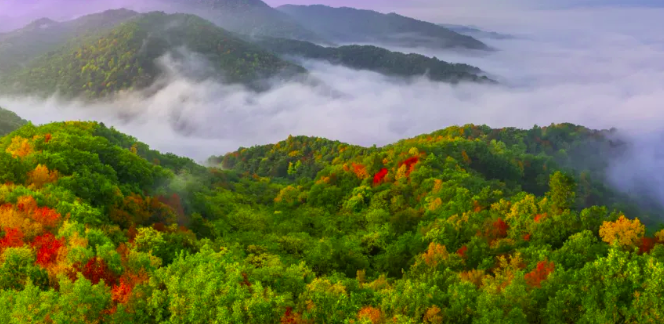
x=597 y=78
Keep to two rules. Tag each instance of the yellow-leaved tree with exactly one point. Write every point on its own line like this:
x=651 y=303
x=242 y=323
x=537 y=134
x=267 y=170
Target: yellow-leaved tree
x=20 y=147
x=41 y=175
x=625 y=232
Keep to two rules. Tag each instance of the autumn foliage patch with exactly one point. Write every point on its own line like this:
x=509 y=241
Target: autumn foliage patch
x=647 y=244
x=410 y=164
x=539 y=274
x=500 y=228
x=462 y=251
x=47 y=247
x=360 y=171
x=380 y=176
x=13 y=238
x=372 y=314
x=96 y=270
x=291 y=317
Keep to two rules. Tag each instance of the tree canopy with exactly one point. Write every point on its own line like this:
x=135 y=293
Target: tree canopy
x=464 y=225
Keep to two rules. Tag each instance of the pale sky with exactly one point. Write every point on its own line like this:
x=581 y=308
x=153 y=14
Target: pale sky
x=502 y=14
x=458 y=3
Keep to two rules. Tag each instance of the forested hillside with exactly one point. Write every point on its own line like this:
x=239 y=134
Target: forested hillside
x=124 y=57
x=376 y=59
x=350 y=25
x=464 y=225
x=9 y=122
x=19 y=47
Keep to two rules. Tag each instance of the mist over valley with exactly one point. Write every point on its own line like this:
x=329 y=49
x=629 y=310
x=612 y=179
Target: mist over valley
x=387 y=161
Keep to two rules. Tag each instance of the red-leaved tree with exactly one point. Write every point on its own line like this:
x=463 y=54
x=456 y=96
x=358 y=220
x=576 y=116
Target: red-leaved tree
x=46 y=216
x=380 y=176
x=47 y=247
x=539 y=274
x=647 y=244
x=462 y=251
x=500 y=228
x=410 y=164
x=291 y=317
x=96 y=270
x=13 y=238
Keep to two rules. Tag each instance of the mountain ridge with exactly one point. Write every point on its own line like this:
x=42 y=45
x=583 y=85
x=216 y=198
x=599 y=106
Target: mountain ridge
x=44 y=34
x=377 y=59
x=9 y=121
x=345 y=24
x=477 y=32
x=123 y=57
x=248 y=17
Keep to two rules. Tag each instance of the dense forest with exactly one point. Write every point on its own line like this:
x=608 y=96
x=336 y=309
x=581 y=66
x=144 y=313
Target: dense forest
x=124 y=57
x=464 y=225
x=376 y=59
x=350 y=25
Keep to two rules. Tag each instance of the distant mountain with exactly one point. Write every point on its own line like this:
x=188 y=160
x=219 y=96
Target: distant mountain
x=20 y=46
x=377 y=59
x=348 y=25
x=476 y=32
x=124 y=57
x=9 y=122
x=15 y=14
x=249 y=17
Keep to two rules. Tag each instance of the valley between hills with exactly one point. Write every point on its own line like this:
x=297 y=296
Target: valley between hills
x=465 y=224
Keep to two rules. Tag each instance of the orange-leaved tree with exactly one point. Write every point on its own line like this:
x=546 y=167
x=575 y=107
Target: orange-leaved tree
x=20 y=147
x=27 y=217
x=41 y=175
x=360 y=171
x=371 y=314
x=435 y=254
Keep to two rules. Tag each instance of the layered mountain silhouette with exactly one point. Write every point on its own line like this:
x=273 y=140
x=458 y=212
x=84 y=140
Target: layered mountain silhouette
x=372 y=58
x=101 y=54
x=249 y=17
x=349 y=25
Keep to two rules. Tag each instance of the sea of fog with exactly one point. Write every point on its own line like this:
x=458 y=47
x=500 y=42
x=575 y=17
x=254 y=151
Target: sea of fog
x=601 y=68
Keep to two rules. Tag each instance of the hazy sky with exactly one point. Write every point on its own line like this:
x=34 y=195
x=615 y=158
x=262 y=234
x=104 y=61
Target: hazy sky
x=508 y=15
x=463 y=3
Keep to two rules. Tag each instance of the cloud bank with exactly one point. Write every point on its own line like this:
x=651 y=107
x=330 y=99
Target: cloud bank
x=600 y=82
x=601 y=68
